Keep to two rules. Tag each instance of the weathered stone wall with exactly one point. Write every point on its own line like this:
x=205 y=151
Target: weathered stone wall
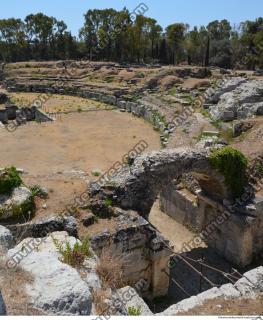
x=237 y=236
x=179 y=205
x=41 y=228
x=116 y=99
x=23 y=114
x=141 y=251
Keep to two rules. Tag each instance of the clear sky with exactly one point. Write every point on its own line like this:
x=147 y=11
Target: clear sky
x=193 y=12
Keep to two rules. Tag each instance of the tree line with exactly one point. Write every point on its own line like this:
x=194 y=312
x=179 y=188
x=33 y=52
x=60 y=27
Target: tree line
x=114 y=36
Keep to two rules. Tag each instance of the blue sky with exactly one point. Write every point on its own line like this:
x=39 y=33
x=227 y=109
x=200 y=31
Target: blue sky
x=194 y=12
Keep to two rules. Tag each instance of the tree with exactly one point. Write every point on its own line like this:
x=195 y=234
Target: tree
x=175 y=34
x=109 y=34
x=219 y=44
x=12 y=39
x=45 y=35
x=251 y=39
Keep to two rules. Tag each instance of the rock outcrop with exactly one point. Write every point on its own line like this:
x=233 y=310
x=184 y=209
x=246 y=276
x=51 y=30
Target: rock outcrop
x=20 y=202
x=6 y=239
x=133 y=300
x=236 y=98
x=40 y=228
x=3 y=97
x=58 y=289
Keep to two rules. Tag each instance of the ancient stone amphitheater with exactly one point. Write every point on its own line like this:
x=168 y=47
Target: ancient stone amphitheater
x=161 y=231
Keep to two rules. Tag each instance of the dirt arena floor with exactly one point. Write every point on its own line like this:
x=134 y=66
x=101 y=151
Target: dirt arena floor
x=63 y=155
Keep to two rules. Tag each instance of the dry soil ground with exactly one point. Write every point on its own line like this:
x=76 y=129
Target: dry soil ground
x=175 y=232
x=238 y=307
x=56 y=103
x=63 y=154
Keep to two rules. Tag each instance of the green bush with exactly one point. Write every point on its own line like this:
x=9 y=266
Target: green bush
x=108 y=202
x=232 y=164
x=73 y=256
x=96 y=173
x=132 y=311
x=9 y=180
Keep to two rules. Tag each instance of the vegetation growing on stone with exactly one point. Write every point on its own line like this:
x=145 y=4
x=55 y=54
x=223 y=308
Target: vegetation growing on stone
x=9 y=180
x=132 y=311
x=108 y=202
x=25 y=209
x=75 y=255
x=232 y=164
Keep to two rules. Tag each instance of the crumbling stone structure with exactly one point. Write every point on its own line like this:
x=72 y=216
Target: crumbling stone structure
x=236 y=233
x=142 y=252
x=23 y=114
x=138 y=186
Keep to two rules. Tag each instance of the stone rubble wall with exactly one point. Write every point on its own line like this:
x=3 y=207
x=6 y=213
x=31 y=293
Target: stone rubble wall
x=23 y=114
x=41 y=228
x=234 y=235
x=116 y=99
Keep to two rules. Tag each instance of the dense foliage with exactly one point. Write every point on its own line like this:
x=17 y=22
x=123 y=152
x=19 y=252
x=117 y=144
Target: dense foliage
x=9 y=179
x=232 y=164
x=121 y=36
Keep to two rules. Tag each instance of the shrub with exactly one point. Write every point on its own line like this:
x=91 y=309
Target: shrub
x=9 y=180
x=108 y=203
x=232 y=164
x=129 y=161
x=38 y=191
x=73 y=256
x=132 y=311
x=96 y=173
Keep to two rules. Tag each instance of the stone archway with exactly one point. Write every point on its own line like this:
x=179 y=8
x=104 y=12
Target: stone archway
x=138 y=186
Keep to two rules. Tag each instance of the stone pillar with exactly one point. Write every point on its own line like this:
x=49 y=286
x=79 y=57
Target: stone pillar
x=160 y=268
x=200 y=217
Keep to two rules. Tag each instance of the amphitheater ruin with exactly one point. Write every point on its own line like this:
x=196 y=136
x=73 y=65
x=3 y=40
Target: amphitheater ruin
x=128 y=165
